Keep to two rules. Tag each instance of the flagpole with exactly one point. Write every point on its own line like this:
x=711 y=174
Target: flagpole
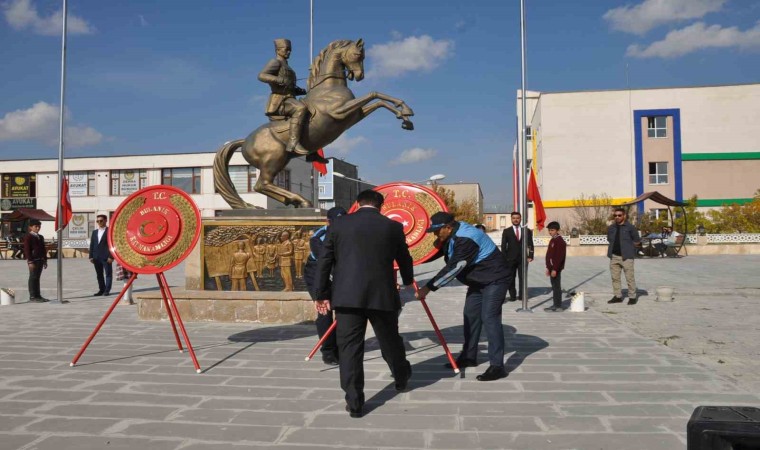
x=314 y=176
x=59 y=208
x=522 y=169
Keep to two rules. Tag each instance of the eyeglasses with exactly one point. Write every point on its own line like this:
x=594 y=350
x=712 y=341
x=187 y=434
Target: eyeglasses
x=618 y=215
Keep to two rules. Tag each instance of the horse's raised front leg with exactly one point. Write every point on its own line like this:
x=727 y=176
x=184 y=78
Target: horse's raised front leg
x=351 y=106
x=369 y=109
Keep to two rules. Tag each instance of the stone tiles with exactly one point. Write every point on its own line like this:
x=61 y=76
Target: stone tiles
x=577 y=380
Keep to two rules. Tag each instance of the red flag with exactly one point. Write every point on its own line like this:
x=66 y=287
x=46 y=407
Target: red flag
x=535 y=196
x=65 y=206
x=321 y=167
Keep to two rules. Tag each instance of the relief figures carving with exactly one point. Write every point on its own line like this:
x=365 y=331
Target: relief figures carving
x=300 y=127
x=266 y=257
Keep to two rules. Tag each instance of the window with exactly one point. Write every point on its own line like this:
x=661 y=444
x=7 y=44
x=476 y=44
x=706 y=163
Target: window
x=82 y=184
x=658 y=173
x=187 y=179
x=321 y=189
x=126 y=182
x=659 y=214
x=503 y=222
x=657 y=127
x=488 y=219
x=243 y=177
x=528 y=133
x=283 y=179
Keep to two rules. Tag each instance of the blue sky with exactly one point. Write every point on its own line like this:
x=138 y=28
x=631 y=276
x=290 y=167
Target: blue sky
x=173 y=76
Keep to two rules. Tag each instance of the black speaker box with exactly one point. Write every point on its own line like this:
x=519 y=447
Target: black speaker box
x=724 y=428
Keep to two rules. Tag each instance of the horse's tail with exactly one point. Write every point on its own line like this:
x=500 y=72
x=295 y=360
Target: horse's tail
x=222 y=180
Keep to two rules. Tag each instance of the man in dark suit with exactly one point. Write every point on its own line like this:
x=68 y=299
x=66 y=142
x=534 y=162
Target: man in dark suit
x=323 y=322
x=101 y=256
x=36 y=259
x=511 y=247
x=359 y=251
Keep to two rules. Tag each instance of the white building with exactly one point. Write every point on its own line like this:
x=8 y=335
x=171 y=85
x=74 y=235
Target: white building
x=682 y=142
x=99 y=184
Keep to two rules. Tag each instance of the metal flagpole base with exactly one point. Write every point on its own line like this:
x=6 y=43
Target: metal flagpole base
x=524 y=308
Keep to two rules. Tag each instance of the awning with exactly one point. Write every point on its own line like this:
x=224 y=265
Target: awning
x=27 y=213
x=655 y=197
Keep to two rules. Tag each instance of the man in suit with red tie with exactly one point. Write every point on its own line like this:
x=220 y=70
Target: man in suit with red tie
x=359 y=251
x=511 y=247
x=101 y=257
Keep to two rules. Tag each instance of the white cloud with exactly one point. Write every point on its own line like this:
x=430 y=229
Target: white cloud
x=407 y=55
x=143 y=22
x=344 y=144
x=40 y=123
x=414 y=155
x=696 y=37
x=639 y=19
x=22 y=14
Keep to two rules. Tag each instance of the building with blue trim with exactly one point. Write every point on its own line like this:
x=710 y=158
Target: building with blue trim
x=681 y=142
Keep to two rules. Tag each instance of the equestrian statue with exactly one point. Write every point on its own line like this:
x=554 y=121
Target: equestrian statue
x=299 y=128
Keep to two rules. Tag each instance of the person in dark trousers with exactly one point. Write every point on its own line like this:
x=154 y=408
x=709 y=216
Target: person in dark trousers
x=623 y=240
x=359 y=251
x=330 y=346
x=473 y=259
x=511 y=247
x=36 y=259
x=101 y=256
x=555 y=263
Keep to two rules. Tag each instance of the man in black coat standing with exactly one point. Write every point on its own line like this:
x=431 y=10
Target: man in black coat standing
x=359 y=251
x=101 y=256
x=511 y=247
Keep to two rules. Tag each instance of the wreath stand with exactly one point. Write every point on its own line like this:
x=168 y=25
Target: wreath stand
x=171 y=311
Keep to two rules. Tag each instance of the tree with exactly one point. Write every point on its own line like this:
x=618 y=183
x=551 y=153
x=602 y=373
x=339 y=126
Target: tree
x=735 y=218
x=466 y=210
x=592 y=213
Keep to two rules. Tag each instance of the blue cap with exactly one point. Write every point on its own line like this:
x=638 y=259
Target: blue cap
x=438 y=220
x=335 y=212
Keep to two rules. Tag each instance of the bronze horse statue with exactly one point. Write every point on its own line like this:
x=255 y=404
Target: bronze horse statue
x=332 y=110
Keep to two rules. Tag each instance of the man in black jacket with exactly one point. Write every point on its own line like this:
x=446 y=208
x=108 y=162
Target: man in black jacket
x=36 y=259
x=359 y=252
x=473 y=259
x=511 y=247
x=323 y=322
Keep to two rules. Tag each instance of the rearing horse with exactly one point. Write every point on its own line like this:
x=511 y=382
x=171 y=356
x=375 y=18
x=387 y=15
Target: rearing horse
x=332 y=110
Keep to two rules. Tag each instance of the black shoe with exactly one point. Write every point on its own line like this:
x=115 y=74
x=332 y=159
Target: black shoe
x=492 y=373
x=462 y=363
x=330 y=359
x=355 y=413
x=554 y=309
x=42 y=299
x=402 y=385
x=633 y=301
x=36 y=300
x=106 y=293
x=97 y=294
x=615 y=300
x=314 y=157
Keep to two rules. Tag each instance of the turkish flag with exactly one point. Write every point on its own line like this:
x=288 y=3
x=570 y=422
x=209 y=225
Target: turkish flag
x=321 y=168
x=65 y=207
x=535 y=196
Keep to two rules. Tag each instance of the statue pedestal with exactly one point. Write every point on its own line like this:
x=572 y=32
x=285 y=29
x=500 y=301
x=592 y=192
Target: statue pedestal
x=246 y=268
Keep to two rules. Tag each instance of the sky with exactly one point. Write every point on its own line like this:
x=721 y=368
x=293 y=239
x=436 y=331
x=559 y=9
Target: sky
x=174 y=76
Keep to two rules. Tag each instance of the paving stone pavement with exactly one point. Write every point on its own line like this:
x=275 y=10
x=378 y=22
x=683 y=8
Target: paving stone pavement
x=577 y=380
